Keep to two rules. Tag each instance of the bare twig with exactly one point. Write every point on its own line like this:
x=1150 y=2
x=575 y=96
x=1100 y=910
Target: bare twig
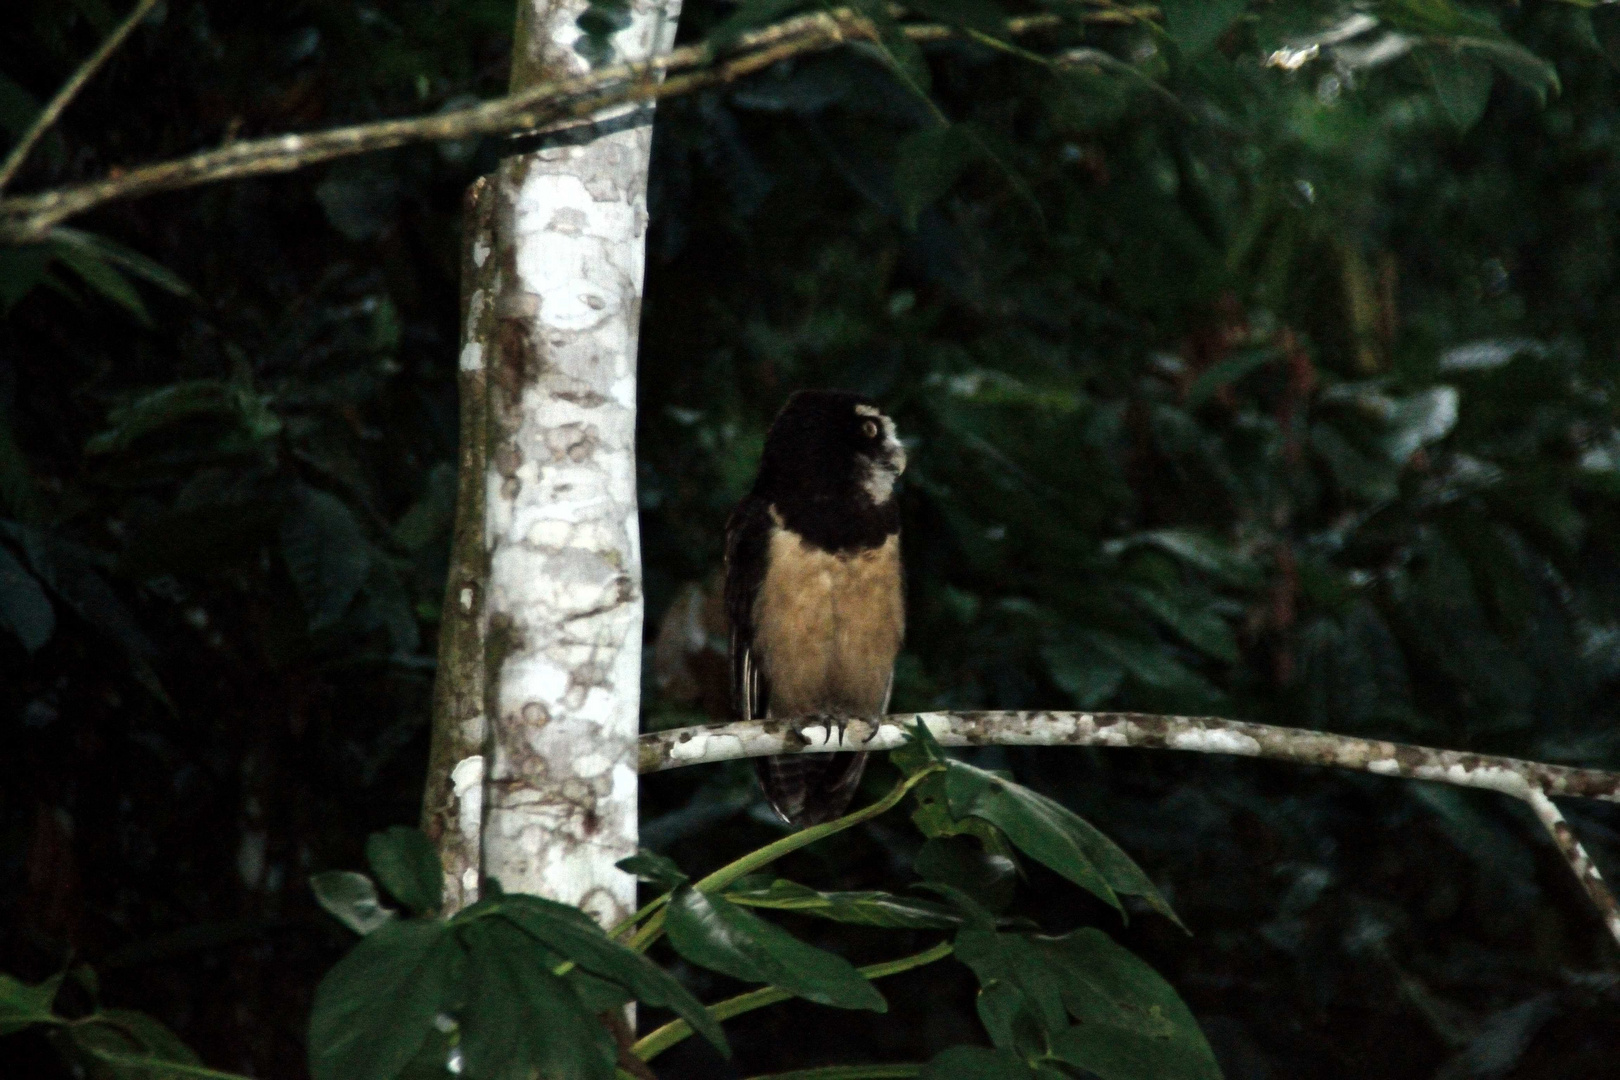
x=1579 y=861
x=1531 y=781
x=70 y=89
x=542 y=108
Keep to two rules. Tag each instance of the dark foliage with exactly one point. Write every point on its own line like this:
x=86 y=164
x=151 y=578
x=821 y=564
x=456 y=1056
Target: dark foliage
x=1282 y=394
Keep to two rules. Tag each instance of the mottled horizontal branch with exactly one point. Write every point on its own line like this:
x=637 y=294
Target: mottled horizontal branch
x=545 y=107
x=1531 y=781
x=1203 y=734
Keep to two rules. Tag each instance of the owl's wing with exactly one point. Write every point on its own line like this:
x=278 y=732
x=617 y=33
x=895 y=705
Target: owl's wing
x=748 y=538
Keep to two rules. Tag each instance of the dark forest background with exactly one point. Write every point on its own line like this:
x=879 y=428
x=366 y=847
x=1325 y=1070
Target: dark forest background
x=1285 y=395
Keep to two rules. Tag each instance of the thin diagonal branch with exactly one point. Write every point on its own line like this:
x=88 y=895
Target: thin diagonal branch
x=1532 y=781
x=70 y=89
x=543 y=108
x=1586 y=872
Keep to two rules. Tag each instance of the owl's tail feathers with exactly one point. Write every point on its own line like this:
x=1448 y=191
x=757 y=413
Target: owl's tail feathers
x=808 y=789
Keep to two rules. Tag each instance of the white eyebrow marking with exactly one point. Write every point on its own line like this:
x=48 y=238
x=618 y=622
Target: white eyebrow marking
x=867 y=410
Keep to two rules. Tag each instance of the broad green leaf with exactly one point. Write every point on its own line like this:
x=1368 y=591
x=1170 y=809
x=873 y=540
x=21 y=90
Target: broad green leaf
x=131 y=1045
x=1198 y=627
x=926 y=165
x=127 y=259
x=25 y=610
x=1082 y=672
x=350 y=898
x=1133 y=1025
x=574 y=936
x=326 y=554
x=862 y=908
x=1151 y=663
x=715 y=934
x=1233 y=369
x=1195 y=25
x=1516 y=62
x=902 y=54
x=179 y=403
x=407 y=865
x=980 y=1063
x=23 y=1006
x=377 y=1005
x=1051 y=834
x=652 y=867
x=1198 y=550
x=100 y=274
x=521 y=1020
x=1462 y=84
x=961 y=862
x=985 y=16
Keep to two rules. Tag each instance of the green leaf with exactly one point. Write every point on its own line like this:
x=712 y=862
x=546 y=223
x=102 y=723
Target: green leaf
x=116 y=254
x=1198 y=550
x=985 y=16
x=179 y=403
x=961 y=862
x=1233 y=369
x=715 y=934
x=377 y=1005
x=1151 y=663
x=522 y=1021
x=651 y=867
x=1195 y=25
x=1133 y=1025
x=902 y=54
x=575 y=936
x=98 y=273
x=1462 y=85
x=25 y=610
x=1199 y=627
x=861 y=908
x=1082 y=672
x=23 y=1006
x=350 y=898
x=1051 y=834
x=980 y=1063
x=927 y=163
x=1516 y=62
x=407 y=865
x=131 y=1045
x=326 y=554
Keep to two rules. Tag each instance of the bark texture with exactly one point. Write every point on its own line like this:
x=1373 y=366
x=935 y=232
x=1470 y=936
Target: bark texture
x=562 y=651
x=453 y=801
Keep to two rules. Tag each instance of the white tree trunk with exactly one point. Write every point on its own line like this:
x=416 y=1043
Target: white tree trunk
x=552 y=328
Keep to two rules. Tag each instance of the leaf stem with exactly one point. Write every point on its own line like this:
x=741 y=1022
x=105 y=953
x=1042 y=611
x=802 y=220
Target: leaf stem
x=660 y=1039
x=754 y=860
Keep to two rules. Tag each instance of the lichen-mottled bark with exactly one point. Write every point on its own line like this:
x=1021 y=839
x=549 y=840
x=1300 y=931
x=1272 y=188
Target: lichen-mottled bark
x=562 y=649
x=1531 y=781
x=1207 y=734
x=452 y=804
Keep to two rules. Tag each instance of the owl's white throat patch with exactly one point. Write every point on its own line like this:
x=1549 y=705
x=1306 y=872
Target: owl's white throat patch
x=882 y=472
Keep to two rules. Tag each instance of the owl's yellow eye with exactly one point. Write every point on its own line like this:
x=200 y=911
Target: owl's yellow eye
x=870 y=429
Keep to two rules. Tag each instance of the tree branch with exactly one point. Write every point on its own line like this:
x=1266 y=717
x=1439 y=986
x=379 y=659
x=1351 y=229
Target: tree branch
x=543 y=108
x=1531 y=781
x=70 y=89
